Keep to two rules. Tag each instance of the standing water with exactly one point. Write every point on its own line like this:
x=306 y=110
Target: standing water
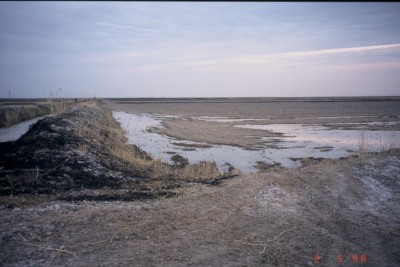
x=14 y=132
x=298 y=141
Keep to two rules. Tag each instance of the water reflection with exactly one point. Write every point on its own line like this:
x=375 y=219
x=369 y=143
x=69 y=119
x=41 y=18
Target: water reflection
x=298 y=141
x=14 y=132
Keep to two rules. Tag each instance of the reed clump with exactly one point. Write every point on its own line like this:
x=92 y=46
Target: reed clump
x=13 y=114
x=389 y=145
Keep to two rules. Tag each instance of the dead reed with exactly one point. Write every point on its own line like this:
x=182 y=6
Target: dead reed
x=389 y=145
x=13 y=114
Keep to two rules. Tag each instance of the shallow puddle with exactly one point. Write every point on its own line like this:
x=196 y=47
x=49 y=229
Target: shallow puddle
x=225 y=119
x=298 y=141
x=312 y=136
x=14 y=132
x=316 y=141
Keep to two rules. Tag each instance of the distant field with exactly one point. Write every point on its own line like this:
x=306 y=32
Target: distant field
x=278 y=110
x=253 y=99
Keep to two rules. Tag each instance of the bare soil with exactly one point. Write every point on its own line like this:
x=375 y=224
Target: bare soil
x=65 y=204
x=214 y=133
x=329 y=111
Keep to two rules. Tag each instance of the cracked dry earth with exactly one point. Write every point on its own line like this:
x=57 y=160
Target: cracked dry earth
x=279 y=218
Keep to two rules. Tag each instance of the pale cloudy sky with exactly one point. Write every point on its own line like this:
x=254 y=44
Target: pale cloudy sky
x=199 y=49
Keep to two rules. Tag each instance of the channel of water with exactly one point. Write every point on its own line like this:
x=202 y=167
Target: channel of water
x=14 y=132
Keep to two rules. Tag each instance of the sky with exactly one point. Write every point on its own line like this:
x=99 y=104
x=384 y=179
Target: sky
x=199 y=49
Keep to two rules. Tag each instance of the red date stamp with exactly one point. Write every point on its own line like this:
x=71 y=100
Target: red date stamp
x=355 y=258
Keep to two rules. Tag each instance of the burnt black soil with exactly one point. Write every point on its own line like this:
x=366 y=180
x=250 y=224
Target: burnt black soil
x=56 y=156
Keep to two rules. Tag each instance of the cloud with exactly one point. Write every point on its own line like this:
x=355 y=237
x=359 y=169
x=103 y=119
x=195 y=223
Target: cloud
x=342 y=50
x=211 y=48
x=276 y=60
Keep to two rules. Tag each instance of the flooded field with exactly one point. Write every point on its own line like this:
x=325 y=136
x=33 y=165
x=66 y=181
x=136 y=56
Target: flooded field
x=243 y=134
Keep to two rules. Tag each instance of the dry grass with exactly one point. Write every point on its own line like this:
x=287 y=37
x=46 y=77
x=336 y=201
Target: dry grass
x=109 y=132
x=202 y=170
x=269 y=219
x=83 y=148
x=362 y=143
x=390 y=144
x=13 y=114
x=387 y=146
x=90 y=104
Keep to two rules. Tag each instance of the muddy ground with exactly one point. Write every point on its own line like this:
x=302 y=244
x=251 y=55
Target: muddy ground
x=215 y=133
x=66 y=202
